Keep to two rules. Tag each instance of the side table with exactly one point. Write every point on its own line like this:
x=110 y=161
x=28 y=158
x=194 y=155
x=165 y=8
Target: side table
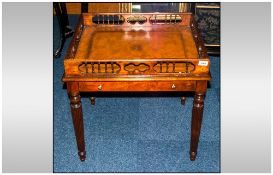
x=136 y=52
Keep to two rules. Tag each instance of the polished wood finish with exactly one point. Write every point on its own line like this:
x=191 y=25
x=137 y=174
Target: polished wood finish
x=105 y=7
x=141 y=86
x=197 y=115
x=76 y=110
x=98 y=7
x=142 y=52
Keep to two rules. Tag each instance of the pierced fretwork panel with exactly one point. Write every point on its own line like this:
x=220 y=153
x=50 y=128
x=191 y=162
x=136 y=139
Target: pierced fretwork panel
x=166 y=19
x=174 y=67
x=135 y=19
x=136 y=68
x=99 y=67
x=108 y=19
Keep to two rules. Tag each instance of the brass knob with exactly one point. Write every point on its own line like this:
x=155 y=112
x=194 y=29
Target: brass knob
x=100 y=87
x=173 y=86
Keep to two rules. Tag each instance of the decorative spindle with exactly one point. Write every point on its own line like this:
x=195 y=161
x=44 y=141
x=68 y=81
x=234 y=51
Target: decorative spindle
x=105 y=64
x=112 y=67
x=182 y=67
x=92 y=67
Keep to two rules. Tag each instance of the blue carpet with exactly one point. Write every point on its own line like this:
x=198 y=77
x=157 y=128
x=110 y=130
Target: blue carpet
x=135 y=133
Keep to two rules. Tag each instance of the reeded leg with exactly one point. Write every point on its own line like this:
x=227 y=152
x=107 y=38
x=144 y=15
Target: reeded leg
x=197 y=114
x=76 y=110
x=92 y=100
x=183 y=100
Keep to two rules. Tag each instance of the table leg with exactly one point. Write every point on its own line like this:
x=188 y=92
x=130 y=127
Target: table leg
x=76 y=110
x=183 y=100
x=92 y=100
x=197 y=114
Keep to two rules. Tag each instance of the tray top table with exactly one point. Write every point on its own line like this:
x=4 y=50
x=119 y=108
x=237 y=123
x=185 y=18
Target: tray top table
x=136 y=52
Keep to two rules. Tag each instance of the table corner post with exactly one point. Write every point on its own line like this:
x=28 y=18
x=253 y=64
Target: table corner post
x=77 y=117
x=197 y=115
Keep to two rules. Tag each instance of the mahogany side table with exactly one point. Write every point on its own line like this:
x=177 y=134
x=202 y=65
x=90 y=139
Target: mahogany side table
x=136 y=52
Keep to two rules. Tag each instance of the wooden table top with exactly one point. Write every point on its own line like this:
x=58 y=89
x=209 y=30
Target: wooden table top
x=146 y=43
x=111 y=42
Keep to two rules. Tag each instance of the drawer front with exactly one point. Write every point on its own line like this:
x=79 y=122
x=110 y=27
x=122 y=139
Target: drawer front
x=143 y=86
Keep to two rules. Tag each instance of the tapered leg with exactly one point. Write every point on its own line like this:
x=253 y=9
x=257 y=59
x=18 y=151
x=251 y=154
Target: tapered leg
x=183 y=100
x=92 y=100
x=197 y=114
x=76 y=110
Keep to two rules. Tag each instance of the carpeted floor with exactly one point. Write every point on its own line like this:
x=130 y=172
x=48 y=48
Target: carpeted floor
x=135 y=132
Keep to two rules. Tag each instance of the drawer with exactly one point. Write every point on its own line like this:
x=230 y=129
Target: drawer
x=141 y=86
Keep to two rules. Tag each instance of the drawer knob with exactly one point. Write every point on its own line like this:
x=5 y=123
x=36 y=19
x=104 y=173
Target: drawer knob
x=173 y=86
x=100 y=87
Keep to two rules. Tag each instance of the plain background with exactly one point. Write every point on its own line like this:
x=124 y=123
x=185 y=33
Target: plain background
x=28 y=90
x=27 y=87
x=245 y=87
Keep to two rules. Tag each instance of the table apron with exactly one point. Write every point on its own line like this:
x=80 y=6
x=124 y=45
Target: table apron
x=141 y=86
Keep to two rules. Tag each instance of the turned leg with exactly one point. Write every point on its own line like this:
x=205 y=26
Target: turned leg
x=76 y=110
x=183 y=100
x=92 y=100
x=197 y=113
